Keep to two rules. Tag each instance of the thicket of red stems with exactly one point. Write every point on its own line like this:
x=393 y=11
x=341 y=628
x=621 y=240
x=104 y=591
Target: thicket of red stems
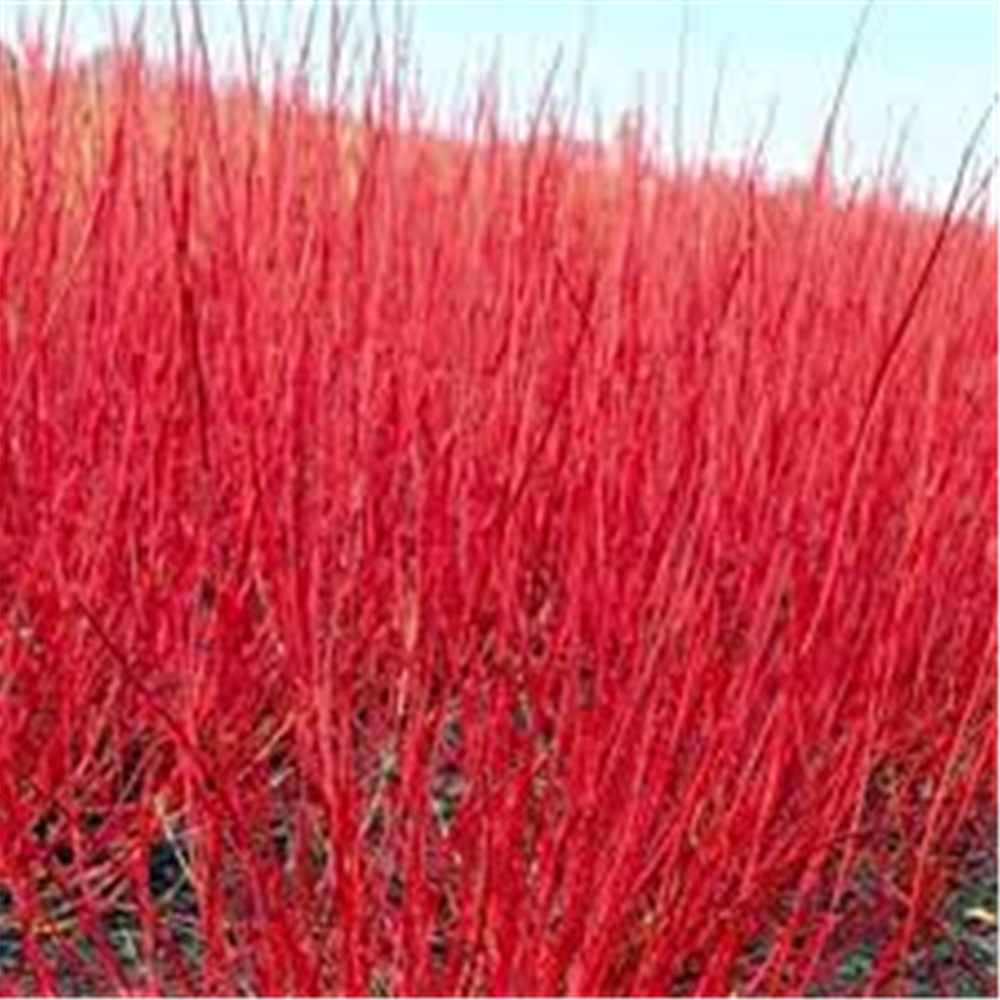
x=486 y=566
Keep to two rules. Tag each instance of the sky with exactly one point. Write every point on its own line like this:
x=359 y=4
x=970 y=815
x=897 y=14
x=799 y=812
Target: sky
x=926 y=67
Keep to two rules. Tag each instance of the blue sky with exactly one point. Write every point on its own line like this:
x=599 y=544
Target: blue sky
x=931 y=64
